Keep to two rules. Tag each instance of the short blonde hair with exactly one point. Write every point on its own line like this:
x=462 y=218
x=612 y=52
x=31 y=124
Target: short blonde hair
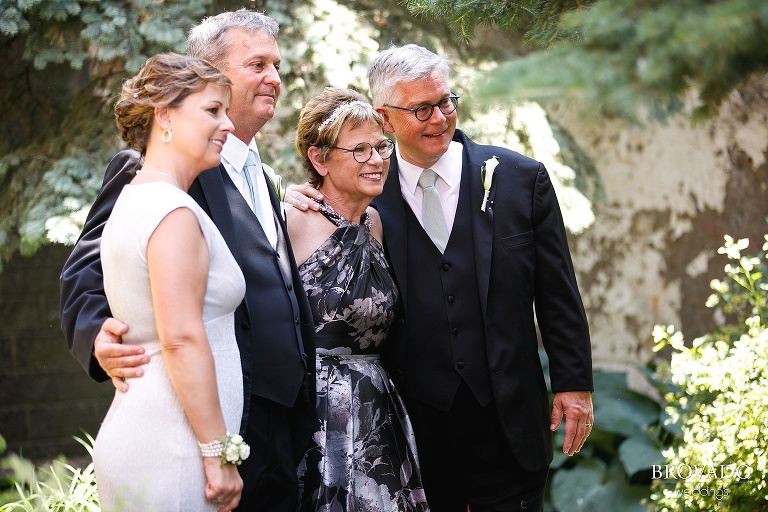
x=165 y=80
x=318 y=112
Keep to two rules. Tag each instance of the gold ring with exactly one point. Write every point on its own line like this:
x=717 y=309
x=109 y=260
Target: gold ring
x=589 y=424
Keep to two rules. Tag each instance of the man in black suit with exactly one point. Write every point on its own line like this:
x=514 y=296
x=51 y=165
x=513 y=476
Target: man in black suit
x=273 y=323
x=465 y=351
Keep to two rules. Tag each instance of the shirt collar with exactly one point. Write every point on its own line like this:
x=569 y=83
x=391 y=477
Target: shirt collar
x=448 y=167
x=235 y=152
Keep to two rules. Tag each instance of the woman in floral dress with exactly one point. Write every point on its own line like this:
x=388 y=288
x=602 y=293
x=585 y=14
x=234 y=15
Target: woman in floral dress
x=364 y=455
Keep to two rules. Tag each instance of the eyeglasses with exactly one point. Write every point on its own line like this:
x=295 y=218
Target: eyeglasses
x=364 y=151
x=424 y=112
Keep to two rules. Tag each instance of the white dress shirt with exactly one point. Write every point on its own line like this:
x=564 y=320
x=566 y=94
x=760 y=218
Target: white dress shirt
x=233 y=156
x=448 y=170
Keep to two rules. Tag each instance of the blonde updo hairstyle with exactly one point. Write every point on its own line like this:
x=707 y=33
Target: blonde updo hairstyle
x=165 y=80
x=319 y=110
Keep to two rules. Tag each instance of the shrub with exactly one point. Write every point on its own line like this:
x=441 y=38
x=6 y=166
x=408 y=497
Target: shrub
x=57 y=486
x=719 y=398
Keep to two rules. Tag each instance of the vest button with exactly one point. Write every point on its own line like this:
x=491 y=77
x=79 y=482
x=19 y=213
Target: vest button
x=290 y=287
x=455 y=330
x=296 y=321
x=245 y=326
x=460 y=365
x=450 y=299
x=446 y=267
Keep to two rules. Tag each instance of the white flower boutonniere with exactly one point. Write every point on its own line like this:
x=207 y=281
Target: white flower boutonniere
x=277 y=181
x=486 y=173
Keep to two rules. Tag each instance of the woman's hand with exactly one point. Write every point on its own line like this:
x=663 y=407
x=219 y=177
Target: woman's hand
x=224 y=485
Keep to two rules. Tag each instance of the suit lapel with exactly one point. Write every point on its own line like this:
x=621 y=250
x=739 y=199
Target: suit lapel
x=212 y=186
x=482 y=222
x=391 y=208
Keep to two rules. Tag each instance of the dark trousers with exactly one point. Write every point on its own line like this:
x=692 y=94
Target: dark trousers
x=466 y=461
x=269 y=473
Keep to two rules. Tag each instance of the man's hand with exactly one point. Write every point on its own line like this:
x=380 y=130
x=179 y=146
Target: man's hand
x=118 y=360
x=576 y=407
x=301 y=197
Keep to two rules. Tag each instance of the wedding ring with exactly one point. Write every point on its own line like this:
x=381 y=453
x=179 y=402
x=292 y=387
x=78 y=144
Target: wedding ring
x=589 y=425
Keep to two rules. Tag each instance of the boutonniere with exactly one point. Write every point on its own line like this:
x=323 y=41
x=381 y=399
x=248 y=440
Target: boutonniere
x=486 y=174
x=277 y=181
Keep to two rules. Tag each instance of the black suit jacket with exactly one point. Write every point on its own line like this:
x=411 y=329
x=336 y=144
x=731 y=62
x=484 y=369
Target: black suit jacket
x=522 y=263
x=84 y=305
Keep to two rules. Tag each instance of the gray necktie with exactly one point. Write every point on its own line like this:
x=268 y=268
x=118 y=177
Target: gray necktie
x=432 y=215
x=249 y=169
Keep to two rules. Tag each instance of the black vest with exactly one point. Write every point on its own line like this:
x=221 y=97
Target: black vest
x=446 y=335
x=269 y=319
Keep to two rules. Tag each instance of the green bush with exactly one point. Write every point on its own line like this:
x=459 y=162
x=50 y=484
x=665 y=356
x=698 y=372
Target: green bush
x=719 y=397
x=56 y=487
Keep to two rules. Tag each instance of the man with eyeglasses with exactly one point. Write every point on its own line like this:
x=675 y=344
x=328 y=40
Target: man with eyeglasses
x=476 y=242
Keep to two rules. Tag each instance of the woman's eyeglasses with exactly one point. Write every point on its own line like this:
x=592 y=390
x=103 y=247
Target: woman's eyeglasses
x=364 y=151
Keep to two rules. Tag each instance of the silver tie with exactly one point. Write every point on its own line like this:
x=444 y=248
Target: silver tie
x=432 y=216
x=249 y=169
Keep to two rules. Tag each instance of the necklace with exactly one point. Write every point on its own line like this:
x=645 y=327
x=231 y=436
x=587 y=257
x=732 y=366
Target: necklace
x=335 y=217
x=161 y=174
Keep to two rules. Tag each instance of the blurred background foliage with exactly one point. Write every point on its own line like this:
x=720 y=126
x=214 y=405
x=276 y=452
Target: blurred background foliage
x=639 y=59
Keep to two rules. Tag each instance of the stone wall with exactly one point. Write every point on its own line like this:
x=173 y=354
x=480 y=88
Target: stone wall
x=45 y=395
x=672 y=192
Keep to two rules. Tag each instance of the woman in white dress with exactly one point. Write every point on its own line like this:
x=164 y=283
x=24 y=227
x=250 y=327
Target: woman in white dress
x=165 y=444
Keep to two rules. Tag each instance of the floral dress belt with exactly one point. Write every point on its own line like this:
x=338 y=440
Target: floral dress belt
x=342 y=355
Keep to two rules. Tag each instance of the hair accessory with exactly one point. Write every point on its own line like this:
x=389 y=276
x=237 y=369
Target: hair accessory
x=344 y=107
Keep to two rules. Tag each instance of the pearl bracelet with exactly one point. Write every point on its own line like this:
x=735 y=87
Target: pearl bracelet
x=213 y=449
x=231 y=448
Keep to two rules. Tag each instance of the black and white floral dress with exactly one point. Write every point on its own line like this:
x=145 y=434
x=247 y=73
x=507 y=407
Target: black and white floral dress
x=363 y=456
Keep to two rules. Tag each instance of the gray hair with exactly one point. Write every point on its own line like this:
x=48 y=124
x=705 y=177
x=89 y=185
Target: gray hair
x=401 y=64
x=209 y=40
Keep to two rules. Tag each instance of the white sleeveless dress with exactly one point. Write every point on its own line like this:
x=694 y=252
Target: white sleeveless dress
x=146 y=456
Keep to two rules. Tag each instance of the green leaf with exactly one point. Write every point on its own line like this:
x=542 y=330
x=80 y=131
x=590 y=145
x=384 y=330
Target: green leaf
x=639 y=453
x=586 y=487
x=593 y=486
x=620 y=410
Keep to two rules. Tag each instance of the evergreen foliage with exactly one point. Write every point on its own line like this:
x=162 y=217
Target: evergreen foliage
x=540 y=19
x=67 y=59
x=641 y=59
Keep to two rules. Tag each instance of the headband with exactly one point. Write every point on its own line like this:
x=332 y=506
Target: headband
x=341 y=109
